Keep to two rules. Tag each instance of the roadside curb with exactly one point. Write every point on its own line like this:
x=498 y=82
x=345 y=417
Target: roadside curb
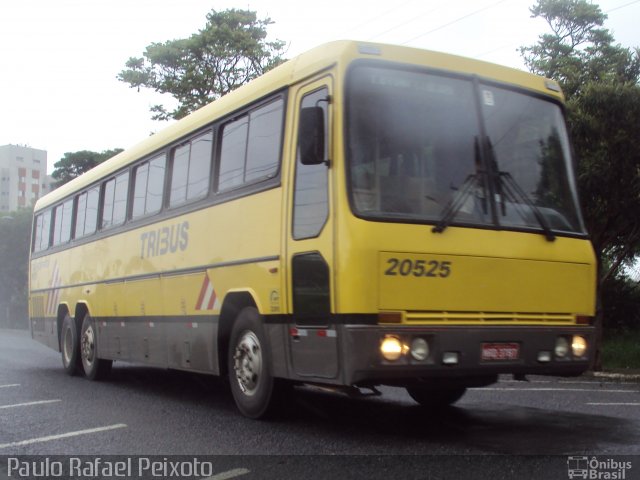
x=622 y=377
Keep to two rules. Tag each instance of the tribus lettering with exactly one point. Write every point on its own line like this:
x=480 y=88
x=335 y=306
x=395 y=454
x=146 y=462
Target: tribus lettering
x=164 y=240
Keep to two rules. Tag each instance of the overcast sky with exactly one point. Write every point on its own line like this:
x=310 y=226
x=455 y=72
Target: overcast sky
x=59 y=58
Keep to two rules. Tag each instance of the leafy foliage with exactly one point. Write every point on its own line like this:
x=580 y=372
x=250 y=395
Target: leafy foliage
x=621 y=302
x=74 y=164
x=231 y=50
x=605 y=123
x=579 y=51
x=600 y=80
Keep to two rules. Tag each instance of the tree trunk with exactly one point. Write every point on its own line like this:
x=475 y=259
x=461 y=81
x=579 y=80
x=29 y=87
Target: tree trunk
x=596 y=363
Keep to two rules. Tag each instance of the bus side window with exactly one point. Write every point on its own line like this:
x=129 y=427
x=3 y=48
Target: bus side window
x=148 y=187
x=232 y=154
x=250 y=147
x=311 y=196
x=191 y=169
x=114 y=207
x=62 y=223
x=37 y=234
x=91 y=216
x=265 y=139
x=42 y=233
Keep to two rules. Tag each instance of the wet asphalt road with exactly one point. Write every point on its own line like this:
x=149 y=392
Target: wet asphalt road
x=144 y=411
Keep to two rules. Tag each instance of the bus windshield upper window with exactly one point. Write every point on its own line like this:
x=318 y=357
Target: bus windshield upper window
x=529 y=142
x=415 y=139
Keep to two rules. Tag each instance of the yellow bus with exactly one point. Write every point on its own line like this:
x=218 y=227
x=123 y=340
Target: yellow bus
x=362 y=215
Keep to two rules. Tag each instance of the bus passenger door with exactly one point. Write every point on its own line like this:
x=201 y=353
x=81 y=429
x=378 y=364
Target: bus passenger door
x=312 y=335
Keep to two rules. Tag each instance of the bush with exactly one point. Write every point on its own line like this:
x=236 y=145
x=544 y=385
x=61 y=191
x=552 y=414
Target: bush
x=621 y=304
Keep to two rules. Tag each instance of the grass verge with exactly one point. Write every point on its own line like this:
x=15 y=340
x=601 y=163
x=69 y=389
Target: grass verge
x=621 y=350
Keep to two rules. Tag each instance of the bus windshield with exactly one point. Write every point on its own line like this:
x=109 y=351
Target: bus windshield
x=424 y=146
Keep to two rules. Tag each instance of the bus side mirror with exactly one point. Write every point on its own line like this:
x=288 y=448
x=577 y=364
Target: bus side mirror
x=311 y=136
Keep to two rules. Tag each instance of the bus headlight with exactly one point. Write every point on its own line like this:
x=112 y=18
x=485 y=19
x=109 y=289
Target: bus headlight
x=562 y=347
x=391 y=348
x=578 y=346
x=419 y=349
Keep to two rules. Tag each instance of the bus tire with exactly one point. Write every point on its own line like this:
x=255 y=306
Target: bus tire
x=436 y=398
x=70 y=346
x=94 y=368
x=252 y=385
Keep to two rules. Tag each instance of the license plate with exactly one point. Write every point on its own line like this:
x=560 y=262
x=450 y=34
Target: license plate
x=497 y=352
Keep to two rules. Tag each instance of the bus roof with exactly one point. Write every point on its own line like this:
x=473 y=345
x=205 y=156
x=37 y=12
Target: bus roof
x=292 y=71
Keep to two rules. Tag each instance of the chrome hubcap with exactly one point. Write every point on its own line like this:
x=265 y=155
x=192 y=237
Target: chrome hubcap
x=87 y=346
x=248 y=363
x=67 y=346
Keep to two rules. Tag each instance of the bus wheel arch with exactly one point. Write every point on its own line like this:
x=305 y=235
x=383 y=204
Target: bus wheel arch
x=233 y=304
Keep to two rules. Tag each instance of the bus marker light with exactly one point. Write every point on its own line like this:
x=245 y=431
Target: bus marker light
x=369 y=49
x=562 y=347
x=450 y=358
x=389 y=317
x=583 y=320
x=391 y=348
x=578 y=346
x=419 y=349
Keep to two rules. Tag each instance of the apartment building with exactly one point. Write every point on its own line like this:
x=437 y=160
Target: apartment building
x=23 y=176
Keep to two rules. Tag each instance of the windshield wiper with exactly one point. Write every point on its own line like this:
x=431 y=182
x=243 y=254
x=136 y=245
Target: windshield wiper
x=513 y=190
x=456 y=203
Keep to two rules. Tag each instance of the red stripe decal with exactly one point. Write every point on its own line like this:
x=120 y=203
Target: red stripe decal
x=203 y=291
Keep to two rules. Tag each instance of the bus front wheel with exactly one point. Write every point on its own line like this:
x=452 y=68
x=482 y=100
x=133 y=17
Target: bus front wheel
x=436 y=398
x=94 y=368
x=252 y=385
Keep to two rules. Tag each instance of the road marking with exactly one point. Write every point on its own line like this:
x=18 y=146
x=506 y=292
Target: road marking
x=39 y=402
x=553 y=390
x=236 y=472
x=62 y=435
x=570 y=382
x=616 y=404
x=10 y=385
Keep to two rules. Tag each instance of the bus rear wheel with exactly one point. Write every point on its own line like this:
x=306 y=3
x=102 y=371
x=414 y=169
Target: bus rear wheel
x=70 y=346
x=94 y=368
x=436 y=398
x=252 y=385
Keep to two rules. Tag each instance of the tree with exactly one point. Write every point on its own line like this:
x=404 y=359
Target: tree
x=600 y=81
x=231 y=50
x=15 y=231
x=578 y=52
x=74 y=164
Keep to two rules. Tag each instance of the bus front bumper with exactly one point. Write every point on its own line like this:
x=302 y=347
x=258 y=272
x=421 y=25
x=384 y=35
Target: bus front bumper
x=469 y=355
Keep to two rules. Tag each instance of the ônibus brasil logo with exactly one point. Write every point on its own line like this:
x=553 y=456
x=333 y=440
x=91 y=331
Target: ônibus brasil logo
x=597 y=469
